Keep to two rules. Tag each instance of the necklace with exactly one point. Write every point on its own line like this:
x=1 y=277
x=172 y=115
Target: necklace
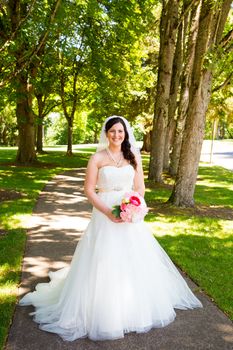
x=117 y=162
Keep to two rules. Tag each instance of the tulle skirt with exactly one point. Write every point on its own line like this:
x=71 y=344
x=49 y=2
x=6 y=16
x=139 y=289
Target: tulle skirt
x=120 y=280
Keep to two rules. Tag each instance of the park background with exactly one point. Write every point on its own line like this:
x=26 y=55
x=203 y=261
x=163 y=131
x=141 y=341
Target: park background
x=167 y=67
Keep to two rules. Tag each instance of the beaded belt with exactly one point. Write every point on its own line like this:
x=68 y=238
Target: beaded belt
x=115 y=188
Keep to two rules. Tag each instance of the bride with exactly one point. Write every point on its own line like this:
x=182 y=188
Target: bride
x=120 y=280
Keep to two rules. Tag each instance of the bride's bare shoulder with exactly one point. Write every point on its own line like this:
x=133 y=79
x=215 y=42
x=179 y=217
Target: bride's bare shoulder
x=98 y=157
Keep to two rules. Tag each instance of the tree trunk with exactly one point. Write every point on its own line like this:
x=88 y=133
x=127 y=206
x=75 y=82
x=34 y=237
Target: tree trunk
x=175 y=81
x=96 y=135
x=185 y=85
x=5 y=142
x=39 y=137
x=175 y=154
x=147 y=141
x=69 y=137
x=25 y=120
x=69 y=116
x=167 y=146
x=39 y=129
x=168 y=30
x=208 y=34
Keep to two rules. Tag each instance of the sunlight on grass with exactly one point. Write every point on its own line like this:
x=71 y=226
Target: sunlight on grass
x=14 y=221
x=201 y=245
x=85 y=148
x=190 y=225
x=15 y=215
x=11 y=248
x=161 y=195
x=8 y=289
x=203 y=248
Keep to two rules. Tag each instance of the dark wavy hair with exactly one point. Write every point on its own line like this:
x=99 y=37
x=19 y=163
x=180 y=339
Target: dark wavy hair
x=125 y=146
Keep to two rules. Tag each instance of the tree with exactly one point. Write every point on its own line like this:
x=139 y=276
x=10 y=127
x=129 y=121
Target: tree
x=122 y=79
x=19 y=21
x=98 y=55
x=213 y=17
x=189 y=45
x=220 y=115
x=45 y=94
x=168 y=31
x=94 y=49
x=69 y=106
x=172 y=104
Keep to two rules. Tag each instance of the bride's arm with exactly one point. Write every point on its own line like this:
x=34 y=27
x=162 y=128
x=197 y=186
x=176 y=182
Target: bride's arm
x=90 y=187
x=139 y=185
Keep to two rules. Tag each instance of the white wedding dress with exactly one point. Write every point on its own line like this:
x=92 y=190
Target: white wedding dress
x=120 y=280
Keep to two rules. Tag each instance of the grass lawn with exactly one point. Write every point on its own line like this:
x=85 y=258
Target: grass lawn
x=198 y=240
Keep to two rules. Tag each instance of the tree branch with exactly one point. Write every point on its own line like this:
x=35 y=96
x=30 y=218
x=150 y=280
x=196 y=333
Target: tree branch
x=18 y=26
x=36 y=51
x=187 y=10
x=43 y=38
x=225 y=83
x=226 y=41
x=62 y=94
x=75 y=95
x=47 y=110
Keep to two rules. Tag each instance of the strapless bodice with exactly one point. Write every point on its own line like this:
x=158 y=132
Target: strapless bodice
x=111 y=178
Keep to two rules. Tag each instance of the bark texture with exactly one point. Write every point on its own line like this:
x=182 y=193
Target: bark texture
x=168 y=30
x=39 y=127
x=147 y=141
x=189 y=49
x=175 y=81
x=25 y=117
x=210 y=30
x=69 y=115
x=25 y=121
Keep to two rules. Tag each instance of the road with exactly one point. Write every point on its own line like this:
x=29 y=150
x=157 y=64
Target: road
x=222 y=153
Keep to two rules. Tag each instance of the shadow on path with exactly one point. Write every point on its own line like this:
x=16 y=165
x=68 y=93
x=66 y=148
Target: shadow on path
x=57 y=224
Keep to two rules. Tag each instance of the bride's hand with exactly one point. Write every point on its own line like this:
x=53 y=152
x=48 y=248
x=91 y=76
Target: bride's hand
x=112 y=217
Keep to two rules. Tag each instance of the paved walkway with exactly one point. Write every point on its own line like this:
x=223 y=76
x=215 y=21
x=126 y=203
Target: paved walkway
x=59 y=218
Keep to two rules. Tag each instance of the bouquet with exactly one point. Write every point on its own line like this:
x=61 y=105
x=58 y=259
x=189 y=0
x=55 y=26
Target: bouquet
x=132 y=208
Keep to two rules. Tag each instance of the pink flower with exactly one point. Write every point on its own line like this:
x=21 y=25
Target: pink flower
x=123 y=206
x=132 y=208
x=126 y=216
x=135 y=200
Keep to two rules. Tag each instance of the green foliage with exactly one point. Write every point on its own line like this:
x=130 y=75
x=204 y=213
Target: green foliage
x=20 y=41
x=101 y=52
x=116 y=211
x=114 y=47
x=56 y=129
x=8 y=128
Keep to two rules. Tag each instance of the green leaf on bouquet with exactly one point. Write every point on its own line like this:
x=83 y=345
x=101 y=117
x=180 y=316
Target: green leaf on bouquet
x=116 y=211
